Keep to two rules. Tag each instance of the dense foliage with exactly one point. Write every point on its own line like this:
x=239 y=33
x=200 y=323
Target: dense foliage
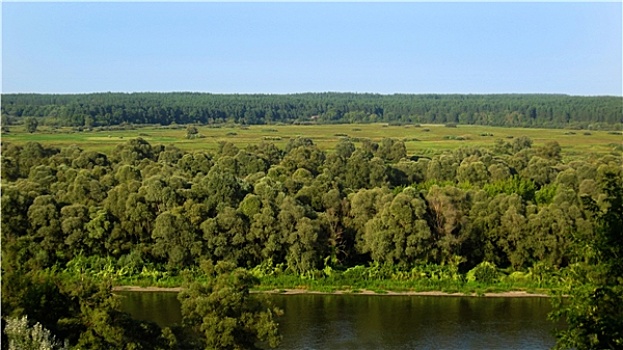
x=224 y=315
x=151 y=209
x=144 y=205
x=593 y=309
x=106 y=109
x=82 y=313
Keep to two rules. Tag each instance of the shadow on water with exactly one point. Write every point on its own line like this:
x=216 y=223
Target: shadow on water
x=313 y=321
x=160 y=307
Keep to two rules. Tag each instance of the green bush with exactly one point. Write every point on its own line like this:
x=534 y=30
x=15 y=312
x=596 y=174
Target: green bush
x=23 y=337
x=484 y=272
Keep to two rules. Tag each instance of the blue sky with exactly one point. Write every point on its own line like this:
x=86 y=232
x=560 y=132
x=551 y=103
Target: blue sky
x=570 y=48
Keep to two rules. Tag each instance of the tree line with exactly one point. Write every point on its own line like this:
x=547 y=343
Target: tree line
x=108 y=109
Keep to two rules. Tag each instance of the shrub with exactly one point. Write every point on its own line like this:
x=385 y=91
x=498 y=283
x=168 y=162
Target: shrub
x=484 y=272
x=23 y=337
x=519 y=276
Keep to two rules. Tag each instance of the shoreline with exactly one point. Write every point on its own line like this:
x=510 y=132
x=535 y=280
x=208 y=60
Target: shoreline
x=509 y=294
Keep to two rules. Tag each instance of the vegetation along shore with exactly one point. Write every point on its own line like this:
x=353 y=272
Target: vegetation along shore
x=514 y=294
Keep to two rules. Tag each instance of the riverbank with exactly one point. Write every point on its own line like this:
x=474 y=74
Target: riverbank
x=508 y=294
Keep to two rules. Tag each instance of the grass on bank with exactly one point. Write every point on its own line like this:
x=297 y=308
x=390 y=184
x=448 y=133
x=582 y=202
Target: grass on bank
x=485 y=278
x=285 y=283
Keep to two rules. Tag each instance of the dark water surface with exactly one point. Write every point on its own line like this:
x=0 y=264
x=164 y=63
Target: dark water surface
x=313 y=321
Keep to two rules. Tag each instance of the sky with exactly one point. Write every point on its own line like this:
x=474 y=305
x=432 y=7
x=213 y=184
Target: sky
x=294 y=47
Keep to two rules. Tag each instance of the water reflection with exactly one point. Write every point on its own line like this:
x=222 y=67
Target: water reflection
x=389 y=322
x=160 y=307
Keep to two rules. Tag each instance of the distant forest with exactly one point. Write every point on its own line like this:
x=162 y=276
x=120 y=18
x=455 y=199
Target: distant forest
x=107 y=109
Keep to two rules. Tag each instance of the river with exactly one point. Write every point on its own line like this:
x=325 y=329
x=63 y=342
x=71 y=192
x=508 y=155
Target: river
x=314 y=321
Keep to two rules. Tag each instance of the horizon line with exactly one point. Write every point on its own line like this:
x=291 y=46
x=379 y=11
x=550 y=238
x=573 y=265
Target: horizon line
x=308 y=92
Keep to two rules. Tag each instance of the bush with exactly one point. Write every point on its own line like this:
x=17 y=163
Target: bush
x=519 y=276
x=484 y=272
x=23 y=337
x=456 y=138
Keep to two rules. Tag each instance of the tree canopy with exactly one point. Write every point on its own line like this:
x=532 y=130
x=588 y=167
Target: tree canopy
x=107 y=109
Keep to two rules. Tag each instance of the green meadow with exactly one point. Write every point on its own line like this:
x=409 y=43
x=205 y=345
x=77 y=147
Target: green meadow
x=425 y=139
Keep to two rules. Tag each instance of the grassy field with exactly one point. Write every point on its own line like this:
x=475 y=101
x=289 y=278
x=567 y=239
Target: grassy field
x=420 y=140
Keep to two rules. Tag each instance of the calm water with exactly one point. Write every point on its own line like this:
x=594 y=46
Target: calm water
x=388 y=322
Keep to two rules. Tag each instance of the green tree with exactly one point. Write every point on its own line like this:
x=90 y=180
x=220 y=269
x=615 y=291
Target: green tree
x=191 y=132
x=304 y=157
x=449 y=224
x=344 y=148
x=31 y=124
x=593 y=311
x=224 y=314
x=195 y=163
x=133 y=151
x=45 y=225
x=305 y=238
x=399 y=234
x=549 y=233
x=364 y=205
x=391 y=150
x=4 y=123
x=226 y=236
x=550 y=150
x=176 y=239
x=378 y=172
x=73 y=220
x=83 y=312
x=520 y=143
x=474 y=173
x=357 y=171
